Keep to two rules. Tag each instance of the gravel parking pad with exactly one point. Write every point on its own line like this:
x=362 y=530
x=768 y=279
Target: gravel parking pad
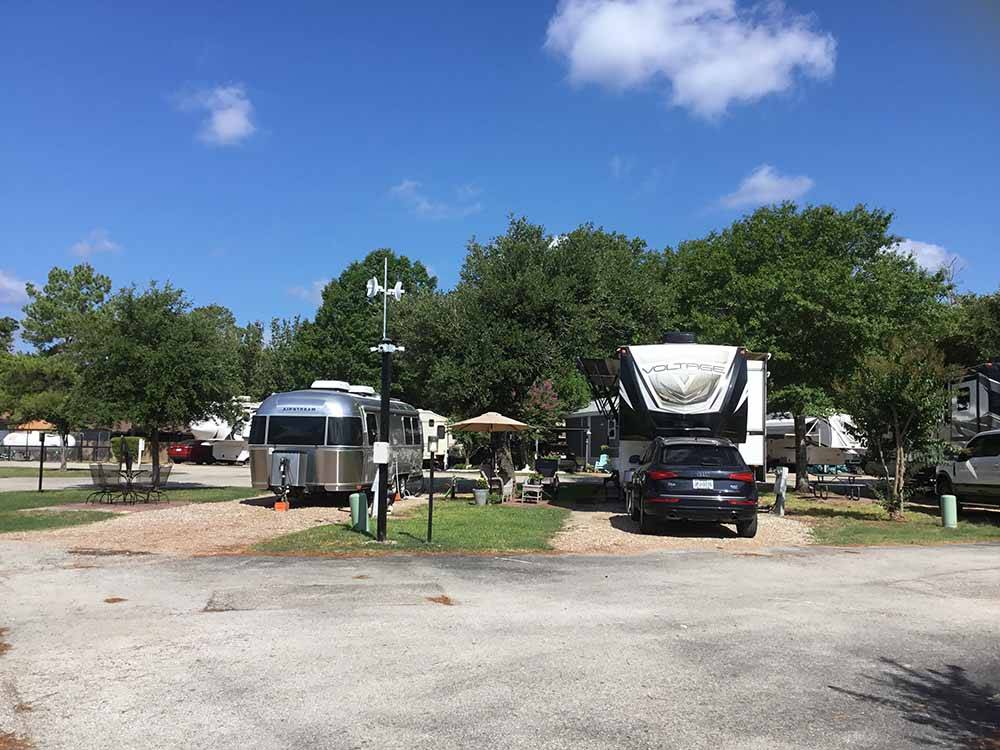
x=613 y=532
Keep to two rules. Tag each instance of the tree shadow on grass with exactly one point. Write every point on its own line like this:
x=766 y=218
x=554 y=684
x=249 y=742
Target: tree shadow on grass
x=955 y=711
x=833 y=511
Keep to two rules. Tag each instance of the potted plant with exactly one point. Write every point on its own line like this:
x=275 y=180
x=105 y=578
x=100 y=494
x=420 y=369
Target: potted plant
x=481 y=492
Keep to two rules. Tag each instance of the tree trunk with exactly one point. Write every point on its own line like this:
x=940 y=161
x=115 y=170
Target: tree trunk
x=900 y=475
x=154 y=446
x=801 y=454
x=62 y=453
x=506 y=470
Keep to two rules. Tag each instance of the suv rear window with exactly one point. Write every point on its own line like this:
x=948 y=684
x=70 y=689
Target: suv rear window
x=701 y=455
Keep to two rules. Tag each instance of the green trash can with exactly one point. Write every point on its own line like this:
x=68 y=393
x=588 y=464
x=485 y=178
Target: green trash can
x=359 y=512
x=949 y=511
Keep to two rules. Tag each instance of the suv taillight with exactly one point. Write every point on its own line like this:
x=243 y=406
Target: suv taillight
x=661 y=474
x=742 y=476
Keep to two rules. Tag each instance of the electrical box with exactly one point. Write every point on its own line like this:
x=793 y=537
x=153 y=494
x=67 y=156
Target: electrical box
x=294 y=465
x=380 y=453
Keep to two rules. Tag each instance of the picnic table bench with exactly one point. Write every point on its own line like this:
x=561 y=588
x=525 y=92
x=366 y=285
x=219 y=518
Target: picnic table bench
x=821 y=488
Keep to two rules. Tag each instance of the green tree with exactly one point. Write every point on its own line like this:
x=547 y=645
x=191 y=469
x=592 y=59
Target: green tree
x=55 y=314
x=8 y=327
x=972 y=332
x=336 y=343
x=147 y=358
x=896 y=398
x=39 y=387
x=818 y=288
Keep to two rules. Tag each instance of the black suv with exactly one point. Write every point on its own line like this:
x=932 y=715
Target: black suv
x=694 y=479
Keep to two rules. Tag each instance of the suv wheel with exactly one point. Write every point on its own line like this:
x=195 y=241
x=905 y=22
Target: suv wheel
x=633 y=510
x=645 y=522
x=747 y=529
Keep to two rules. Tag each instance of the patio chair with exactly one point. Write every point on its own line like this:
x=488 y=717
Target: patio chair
x=549 y=469
x=104 y=487
x=151 y=486
x=602 y=462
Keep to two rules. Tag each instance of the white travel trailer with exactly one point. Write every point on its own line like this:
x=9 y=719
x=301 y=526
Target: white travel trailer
x=680 y=388
x=430 y=422
x=828 y=441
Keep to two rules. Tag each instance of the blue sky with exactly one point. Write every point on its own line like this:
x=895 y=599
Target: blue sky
x=247 y=152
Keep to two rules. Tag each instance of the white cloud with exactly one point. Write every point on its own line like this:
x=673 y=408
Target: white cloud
x=411 y=194
x=930 y=256
x=11 y=290
x=96 y=242
x=312 y=293
x=229 y=118
x=765 y=185
x=711 y=52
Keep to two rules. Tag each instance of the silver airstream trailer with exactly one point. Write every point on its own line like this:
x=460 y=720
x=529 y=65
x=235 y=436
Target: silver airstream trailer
x=323 y=437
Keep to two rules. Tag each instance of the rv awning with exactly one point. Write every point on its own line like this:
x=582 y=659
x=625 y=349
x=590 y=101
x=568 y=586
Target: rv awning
x=602 y=377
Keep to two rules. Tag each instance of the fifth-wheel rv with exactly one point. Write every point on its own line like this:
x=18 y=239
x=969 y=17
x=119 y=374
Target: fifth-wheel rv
x=975 y=403
x=680 y=388
x=319 y=441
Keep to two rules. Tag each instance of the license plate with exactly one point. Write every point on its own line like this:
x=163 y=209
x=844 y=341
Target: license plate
x=703 y=484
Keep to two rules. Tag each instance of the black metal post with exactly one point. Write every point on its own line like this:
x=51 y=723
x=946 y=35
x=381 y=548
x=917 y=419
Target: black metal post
x=383 y=469
x=41 y=460
x=430 y=496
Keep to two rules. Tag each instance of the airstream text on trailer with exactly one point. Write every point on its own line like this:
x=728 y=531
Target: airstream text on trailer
x=324 y=438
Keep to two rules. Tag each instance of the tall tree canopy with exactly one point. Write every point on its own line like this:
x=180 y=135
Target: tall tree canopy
x=972 y=332
x=147 y=358
x=818 y=288
x=55 y=313
x=335 y=344
x=526 y=306
x=34 y=386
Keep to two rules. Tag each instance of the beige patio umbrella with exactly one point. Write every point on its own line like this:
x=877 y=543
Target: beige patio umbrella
x=491 y=421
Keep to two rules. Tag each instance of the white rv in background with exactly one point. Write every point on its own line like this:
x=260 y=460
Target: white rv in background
x=228 y=441
x=828 y=441
x=430 y=422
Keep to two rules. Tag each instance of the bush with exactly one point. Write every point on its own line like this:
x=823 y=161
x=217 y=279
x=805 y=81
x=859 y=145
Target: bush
x=131 y=442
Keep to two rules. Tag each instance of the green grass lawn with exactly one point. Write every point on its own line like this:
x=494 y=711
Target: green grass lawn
x=12 y=505
x=458 y=527
x=853 y=523
x=27 y=470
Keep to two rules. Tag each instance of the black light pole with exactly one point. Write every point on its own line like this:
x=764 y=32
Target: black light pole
x=432 y=444
x=383 y=469
x=41 y=460
x=386 y=348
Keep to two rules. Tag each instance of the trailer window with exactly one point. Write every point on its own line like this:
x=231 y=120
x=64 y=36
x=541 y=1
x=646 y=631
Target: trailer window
x=258 y=430
x=296 y=430
x=343 y=431
x=701 y=455
x=408 y=430
x=395 y=429
x=963 y=399
x=372 y=422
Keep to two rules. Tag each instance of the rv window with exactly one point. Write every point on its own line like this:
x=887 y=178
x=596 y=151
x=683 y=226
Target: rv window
x=418 y=432
x=343 y=431
x=408 y=430
x=296 y=430
x=701 y=455
x=395 y=429
x=962 y=399
x=991 y=445
x=372 y=421
x=258 y=429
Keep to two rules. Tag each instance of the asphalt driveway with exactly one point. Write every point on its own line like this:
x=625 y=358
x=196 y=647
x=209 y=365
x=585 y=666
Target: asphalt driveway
x=803 y=648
